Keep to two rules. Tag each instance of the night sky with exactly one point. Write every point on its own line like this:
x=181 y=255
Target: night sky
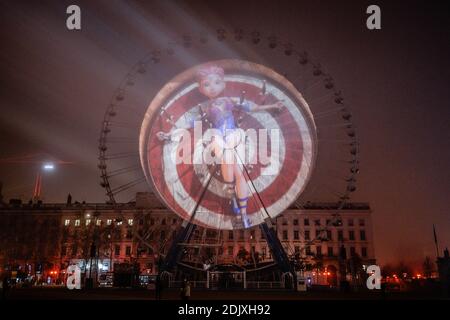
x=55 y=85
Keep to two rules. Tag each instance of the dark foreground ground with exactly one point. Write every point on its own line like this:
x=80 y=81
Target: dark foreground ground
x=48 y=293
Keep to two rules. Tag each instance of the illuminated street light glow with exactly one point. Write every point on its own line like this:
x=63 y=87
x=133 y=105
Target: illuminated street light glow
x=49 y=166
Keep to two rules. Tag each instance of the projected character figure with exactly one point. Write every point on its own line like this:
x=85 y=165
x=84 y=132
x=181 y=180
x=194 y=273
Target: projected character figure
x=219 y=113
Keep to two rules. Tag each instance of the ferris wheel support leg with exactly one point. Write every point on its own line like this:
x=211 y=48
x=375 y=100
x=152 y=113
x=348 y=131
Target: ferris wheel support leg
x=278 y=253
x=184 y=235
x=175 y=250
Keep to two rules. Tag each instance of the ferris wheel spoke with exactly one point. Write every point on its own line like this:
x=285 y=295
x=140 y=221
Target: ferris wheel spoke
x=121 y=155
x=334 y=192
x=128 y=185
x=312 y=86
x=120 y=139
x=123 y=124
x=320 y=100
x=328 y=113
x=121 y=171
x=341 y=141
x=135 y=112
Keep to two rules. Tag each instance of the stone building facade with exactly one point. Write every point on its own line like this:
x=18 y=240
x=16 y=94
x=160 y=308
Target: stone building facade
x=44 y=239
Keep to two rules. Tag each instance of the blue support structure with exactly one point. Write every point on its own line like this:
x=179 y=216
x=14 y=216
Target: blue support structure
x=176 y=250
x=277 y=250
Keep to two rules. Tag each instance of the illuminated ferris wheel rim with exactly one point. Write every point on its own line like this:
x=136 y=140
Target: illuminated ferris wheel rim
x=238 y=71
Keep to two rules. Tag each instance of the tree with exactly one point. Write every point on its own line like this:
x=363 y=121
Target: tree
x=403 y=270
x=387 y=270
x=242 y=254
x=355 y=265
x=428 y=267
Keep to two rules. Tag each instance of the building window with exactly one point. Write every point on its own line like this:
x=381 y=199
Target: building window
x=295 y=222
x=306 y=222
x=141 y=222
x=77 y=223
x=330 y=251
x=210 y=233
x=241 y=234
x=308 y=250
x=230 y=251
x=129 y=234
x=284 y=222
x=362 y=235
x=128 y=251
x=264 y=252
x=362 y=222
x=317 y=222
x=328 y=222
x=117 y=250
x=343 y=252
x=88 y=222
x=297 y=249
x=350 y=222
x=285 y=235
x=196 y=234
x=307 y=235
x=319 y=251
x=340 y=235
x=162 y=235
x=67 y=222
x=130 y=222
x=351 y=235
x=152 y=221
x=163 y=222
x=364 y=252
x=329 y=235
x=108 y=222
x=317 y=233
x=352 y=251
x=230 y=235
x=99 y=222
x=296 y=235
x=174 y=221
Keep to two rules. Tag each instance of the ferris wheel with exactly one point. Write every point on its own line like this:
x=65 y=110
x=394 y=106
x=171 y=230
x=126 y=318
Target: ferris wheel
x=336 y=158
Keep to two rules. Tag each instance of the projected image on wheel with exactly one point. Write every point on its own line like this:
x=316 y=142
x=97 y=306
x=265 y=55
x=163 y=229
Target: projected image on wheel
x=228 y=143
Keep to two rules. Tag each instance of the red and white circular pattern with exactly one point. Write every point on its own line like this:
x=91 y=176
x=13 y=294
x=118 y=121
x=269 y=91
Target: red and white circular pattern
x=272 y=189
